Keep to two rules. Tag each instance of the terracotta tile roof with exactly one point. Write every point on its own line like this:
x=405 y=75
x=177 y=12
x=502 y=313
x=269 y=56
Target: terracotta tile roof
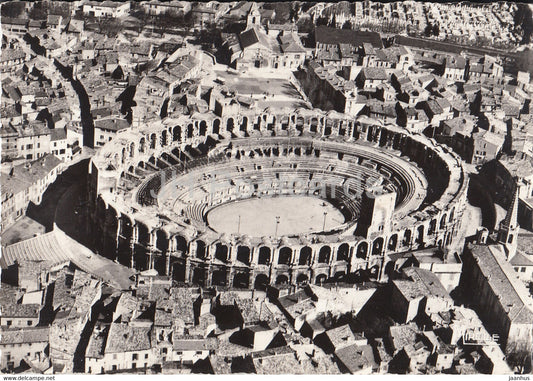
x=126 y=338
x=503 y=282
x=26 y=335
x=355 y=358
x=341 y=336
x=20 y=310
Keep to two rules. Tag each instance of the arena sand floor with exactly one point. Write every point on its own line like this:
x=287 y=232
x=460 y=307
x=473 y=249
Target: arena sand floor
x=297 y=215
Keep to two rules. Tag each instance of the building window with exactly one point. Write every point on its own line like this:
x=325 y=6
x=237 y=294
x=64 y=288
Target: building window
x=29 y=322
x=134 y=356
x=114 y=367
x=133 y=365
x=146 y=356
x=115 y=356
x=198 y=352
x=523 y=270
x=9 y=322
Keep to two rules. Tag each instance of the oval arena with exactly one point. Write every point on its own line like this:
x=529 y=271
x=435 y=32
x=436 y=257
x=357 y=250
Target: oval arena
x=184 y=197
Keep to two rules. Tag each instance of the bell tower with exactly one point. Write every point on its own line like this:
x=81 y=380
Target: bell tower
x=508 y=231
x=254 y=17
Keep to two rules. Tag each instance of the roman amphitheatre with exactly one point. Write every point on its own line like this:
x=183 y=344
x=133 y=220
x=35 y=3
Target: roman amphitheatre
x=264 y=197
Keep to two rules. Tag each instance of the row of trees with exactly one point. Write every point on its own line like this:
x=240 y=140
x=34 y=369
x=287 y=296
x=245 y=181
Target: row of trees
x=431 y=30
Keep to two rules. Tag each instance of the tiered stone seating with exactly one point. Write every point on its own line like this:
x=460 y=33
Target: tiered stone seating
x=206 y=181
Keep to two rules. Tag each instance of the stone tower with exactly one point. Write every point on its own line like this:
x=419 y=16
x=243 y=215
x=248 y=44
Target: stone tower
x=377 y=207
x=254 y=17
x=508 y=231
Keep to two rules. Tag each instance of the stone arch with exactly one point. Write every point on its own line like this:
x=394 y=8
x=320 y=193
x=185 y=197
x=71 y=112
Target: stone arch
x=216 y=126
x=221 y=252
x=198 y=276
x=362 y=250
x=190 y=131
x=282 y=279
x=305 y=256
x=241 y=280
x=243 y=254
x=321 y=278
x=153 y=141
x=339 y=275
x=164 y=138
x=377 y=246
x=181 y=244
x=161 y=241
x=132 y=149
x=203 y=128
x=285 y=122
x=261 y=282
x=144 y=234
x=374 y=271
x=407 y=237
x=328 y=127
x=300 y=123
x=389 y=269
x=244 y=124
x=443 y=221
x=393 y=242
x=142 y=144
x=450 y=220
x=284 y=256
x=264 y=255
x=313 y=127
x=176 y=133
x=123 y=157
x=178 y=270
x=219 y=277
x=432 y=226
x=302 y=278
x=126 y=225
x=201 y=249
x=343 y=252
x=229 y=125
x=324 y=254
x=420 y=234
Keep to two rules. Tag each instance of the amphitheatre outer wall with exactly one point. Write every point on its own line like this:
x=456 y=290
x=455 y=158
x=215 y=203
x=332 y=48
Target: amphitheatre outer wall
x=151 y=236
